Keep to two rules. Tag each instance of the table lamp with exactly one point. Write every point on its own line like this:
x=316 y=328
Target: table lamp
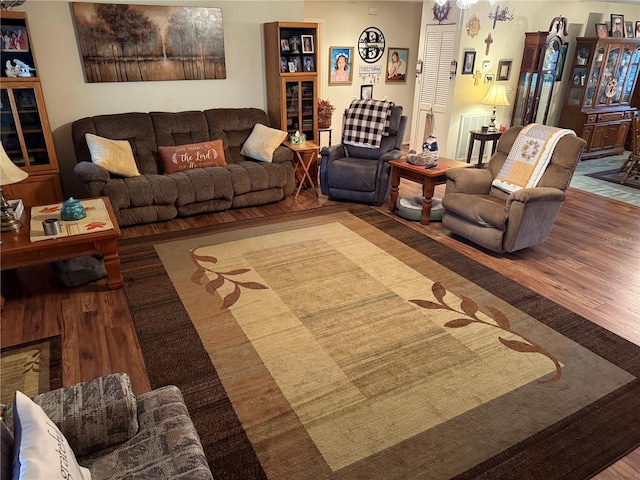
x=9 y=173
x=497 y=95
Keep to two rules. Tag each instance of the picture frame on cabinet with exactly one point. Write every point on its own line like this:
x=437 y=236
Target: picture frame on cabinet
x=601 y=30
x=468 y=63
x=307 y=43
x=628 y=29
x=284 y=65
x=366 y=92
x=284 y=45
x=638 y=29
x=504 y=70
x=617 y=25
x=307 y=64
x=14 y=38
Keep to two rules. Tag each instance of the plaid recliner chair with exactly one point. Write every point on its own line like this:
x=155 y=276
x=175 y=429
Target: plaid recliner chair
x=362 y=174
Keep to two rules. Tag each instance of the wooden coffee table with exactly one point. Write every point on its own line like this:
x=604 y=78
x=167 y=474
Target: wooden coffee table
x=428 y=177
x=18 y=251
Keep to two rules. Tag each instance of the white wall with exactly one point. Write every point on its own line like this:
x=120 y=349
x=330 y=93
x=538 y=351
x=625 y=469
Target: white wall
x=508 y=43
x=342 y=24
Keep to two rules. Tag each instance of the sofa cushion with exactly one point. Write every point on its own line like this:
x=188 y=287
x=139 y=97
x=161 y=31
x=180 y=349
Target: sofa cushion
x=262 y=142
x=115 y=156
x=41 y=450
x=193 y=155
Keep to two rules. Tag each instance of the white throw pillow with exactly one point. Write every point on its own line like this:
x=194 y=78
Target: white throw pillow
x=262 y=142
x=40 y=450
x=115 y=156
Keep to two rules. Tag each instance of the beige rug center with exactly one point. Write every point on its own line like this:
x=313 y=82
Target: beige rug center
x=362 y=366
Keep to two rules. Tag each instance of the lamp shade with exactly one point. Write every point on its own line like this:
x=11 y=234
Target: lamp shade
x=497 y=95
x=9 y=172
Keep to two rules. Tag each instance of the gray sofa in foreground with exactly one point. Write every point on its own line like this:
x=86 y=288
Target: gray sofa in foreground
x=154 y=196
x=117 y=435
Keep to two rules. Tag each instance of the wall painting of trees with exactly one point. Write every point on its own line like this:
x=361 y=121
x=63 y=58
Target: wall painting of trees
x=133 y=43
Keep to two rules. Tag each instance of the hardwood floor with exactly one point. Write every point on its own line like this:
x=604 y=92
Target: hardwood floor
x=590 y=264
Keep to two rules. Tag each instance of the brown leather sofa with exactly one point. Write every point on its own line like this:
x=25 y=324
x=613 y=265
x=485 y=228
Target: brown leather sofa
x=154 y=196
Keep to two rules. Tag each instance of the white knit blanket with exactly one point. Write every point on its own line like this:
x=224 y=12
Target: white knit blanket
x=529 y=157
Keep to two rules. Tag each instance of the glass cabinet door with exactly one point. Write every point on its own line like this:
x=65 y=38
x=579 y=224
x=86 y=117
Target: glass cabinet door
x=632 y=71
x=21 y=129
x=609 y=83
x=593 y=78
x=301 y=107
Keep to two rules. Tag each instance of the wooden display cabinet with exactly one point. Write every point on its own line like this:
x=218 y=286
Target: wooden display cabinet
x=24 y=126
x=602 y=78
x=540 y=61
x=292 y=96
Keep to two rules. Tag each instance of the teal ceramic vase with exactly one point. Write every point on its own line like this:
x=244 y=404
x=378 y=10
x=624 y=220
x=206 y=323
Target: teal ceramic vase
x=72 y=210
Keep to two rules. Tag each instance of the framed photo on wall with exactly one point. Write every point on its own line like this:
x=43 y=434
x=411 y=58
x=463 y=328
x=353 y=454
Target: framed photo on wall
x=468 y=63
x=504 y=70
x=366 y=92
x=307 y=43
x=340 y=65
x=397 y=64
x=617 y=25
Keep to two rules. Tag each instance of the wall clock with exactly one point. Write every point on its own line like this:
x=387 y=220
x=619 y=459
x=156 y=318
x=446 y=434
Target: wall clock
x=371 y=44
x=441 y=12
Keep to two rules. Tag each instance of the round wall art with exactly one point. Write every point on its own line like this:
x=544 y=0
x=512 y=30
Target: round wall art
x=371 y=44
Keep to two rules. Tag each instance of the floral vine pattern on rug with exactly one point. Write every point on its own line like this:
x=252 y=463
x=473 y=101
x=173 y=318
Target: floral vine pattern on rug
x=34 y=364
x=212 y=286
x=470 y=309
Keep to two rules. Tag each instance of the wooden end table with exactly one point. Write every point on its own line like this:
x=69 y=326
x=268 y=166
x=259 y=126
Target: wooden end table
x=18 y=251
x=482 y=137
x=304 y=157
x=428 y=177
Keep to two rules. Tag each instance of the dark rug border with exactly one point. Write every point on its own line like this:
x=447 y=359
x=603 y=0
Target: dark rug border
x=536 y=457
x=55 y=358
x=603 y=176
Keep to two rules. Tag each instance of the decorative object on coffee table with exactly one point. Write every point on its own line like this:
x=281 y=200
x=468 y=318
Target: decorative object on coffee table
x=10 y=173
x=72 y=210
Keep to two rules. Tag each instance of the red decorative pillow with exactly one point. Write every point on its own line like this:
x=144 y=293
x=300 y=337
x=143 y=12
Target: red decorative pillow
x=194 y=155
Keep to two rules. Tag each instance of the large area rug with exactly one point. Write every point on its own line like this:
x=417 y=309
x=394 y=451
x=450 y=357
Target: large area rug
x=32 y=368
x=614 y=176
x=338 y=343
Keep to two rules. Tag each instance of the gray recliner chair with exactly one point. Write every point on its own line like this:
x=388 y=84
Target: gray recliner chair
x=503 y=222
x=360 y=174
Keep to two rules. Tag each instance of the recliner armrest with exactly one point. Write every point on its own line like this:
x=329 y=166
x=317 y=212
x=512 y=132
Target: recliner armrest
x=537 y=194
x=469 y=180
x=394 y=154
x=92 y=415
x=333 y=152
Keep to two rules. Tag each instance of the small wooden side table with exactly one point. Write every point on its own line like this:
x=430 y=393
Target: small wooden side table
x=483 y=138
x=428 y=177
x=304 y=157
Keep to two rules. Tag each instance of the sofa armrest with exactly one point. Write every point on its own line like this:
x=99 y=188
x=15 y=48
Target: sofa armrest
x=282 y=154
x=90 y=172
x=92 y=415
x=469 y=180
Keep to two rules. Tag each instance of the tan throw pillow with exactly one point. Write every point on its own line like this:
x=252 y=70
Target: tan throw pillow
x=193 y=155
x=115 y=156
x=262 y=142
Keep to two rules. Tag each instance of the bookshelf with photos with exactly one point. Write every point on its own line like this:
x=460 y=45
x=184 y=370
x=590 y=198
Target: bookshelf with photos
x=24 y=126
x=292 y=77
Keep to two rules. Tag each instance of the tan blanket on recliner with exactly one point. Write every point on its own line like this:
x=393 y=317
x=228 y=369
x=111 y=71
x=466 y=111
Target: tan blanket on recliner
x=529 y=157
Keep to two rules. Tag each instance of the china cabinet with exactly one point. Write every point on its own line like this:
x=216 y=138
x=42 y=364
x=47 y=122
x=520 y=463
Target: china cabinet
x=602 y=78
x=292 y=78
x=540 y=60
x=24 y=126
